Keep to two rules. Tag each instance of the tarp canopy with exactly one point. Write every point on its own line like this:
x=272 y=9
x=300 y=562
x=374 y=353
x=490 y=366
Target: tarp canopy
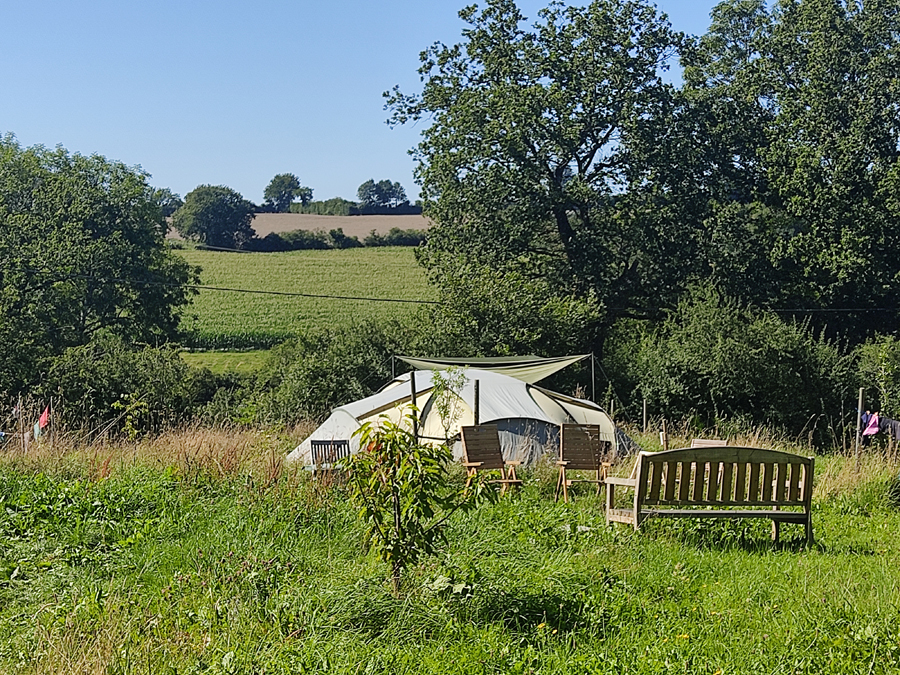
x=528 y=417
x=528 y=369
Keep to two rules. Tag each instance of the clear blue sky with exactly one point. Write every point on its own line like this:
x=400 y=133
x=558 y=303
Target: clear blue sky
x=231 y=92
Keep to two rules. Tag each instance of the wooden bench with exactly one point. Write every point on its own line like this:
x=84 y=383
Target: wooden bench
x=580 y=449
x=482 y=452
x=327 y=455
x=718 y=482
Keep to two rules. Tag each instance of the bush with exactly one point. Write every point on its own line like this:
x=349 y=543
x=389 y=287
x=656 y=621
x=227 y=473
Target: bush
x=108 y=384
x=395 y=237
x=716 y=359
x=306 y=240
x=879 y=368
x=308 y=376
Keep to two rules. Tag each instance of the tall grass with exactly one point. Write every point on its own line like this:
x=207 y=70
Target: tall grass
x=201 y=552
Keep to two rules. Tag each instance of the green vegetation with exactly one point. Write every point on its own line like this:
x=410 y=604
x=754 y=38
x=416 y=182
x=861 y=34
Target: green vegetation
x=282 y=190
x=336 y=206
x=200 y=553
x=242 y=363
x=215 y=215
x=555 y=149
x=76 y=233
x=223 y=320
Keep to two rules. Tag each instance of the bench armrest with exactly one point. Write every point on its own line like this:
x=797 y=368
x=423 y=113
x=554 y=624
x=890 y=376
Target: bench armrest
x=616 y=480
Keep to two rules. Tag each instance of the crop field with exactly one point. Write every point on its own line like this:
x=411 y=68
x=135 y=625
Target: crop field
x=200 y=552
x=223 y=320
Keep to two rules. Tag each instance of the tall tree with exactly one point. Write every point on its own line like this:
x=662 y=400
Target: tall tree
x=283 y=190
x=383 y=194
x=535 y=135
x=215 y=215
x=802 y=107
x=81 y=250
x=169 y=202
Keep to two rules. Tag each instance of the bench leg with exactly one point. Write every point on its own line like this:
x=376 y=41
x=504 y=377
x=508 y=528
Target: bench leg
x=776 y=529
x=809 y=531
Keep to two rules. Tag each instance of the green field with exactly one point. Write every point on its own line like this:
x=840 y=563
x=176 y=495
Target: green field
x=196 y=553
x=222 y=319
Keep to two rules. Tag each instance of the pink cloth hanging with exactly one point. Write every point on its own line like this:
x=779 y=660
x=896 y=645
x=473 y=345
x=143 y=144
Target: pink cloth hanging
x=872 y=426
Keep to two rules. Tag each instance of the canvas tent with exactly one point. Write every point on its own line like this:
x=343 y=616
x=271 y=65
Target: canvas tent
x=528 y=416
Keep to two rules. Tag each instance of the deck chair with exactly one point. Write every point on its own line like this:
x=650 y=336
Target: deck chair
x=580 y=449
x=481 y=452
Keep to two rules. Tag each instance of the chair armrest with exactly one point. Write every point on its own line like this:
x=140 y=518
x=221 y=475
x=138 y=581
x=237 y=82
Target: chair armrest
x=561 y=462
x=514 y=462
x=473 y=465
x=616 y=480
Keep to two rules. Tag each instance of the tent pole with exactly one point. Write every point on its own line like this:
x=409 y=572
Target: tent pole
x=412 y=400
x=392 y=367
x=593 y=381
x=477 y=403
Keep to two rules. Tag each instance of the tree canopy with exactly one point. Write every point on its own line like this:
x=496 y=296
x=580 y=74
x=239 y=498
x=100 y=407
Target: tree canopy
x=382 y=194
x=215 y=215
x=81 y=251
x=283 y=190
x=558 y=152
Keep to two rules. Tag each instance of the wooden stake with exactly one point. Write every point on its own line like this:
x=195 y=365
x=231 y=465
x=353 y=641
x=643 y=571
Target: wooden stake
x=645 y=416
x=665 y=436
x=859 y=412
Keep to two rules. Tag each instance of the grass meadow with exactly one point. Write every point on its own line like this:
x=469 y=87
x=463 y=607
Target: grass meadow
x=200 y=552
x=222 y=320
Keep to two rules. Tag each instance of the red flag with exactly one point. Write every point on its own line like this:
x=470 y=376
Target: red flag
x=45 y=417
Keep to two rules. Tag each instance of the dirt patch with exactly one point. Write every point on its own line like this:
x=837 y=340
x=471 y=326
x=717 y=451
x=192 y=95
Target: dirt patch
x=353 y=226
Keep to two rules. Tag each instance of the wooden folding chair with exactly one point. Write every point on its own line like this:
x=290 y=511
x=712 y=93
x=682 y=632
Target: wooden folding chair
x=481 y=452
x=580 y=449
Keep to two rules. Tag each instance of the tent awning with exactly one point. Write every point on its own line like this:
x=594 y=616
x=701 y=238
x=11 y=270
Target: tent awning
x=529 y=369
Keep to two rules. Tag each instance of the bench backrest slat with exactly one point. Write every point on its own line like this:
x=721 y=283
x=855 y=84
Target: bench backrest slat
x=708 y=443
x=481 y=443
x=794 y=489
x=724 y=476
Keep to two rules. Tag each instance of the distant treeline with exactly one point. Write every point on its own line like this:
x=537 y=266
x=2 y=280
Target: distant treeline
x=302 y=240
x=338 y=206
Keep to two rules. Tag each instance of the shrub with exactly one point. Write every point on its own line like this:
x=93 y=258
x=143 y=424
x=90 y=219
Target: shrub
x=108 y=384
x=715 y=358
x=308 y=376
x=395 y=237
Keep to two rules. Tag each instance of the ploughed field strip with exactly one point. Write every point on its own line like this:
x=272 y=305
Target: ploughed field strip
x=717 y=482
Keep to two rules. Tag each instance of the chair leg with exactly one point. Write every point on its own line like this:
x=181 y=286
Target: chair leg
x=559 y=481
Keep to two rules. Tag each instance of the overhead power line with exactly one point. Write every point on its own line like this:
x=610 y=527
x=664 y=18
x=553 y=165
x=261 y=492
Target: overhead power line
x=201 y=287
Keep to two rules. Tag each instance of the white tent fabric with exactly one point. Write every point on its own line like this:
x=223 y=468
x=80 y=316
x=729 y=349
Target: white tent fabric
x=528 y=417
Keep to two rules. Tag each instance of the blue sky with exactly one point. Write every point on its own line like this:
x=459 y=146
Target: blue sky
x=228 y=92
